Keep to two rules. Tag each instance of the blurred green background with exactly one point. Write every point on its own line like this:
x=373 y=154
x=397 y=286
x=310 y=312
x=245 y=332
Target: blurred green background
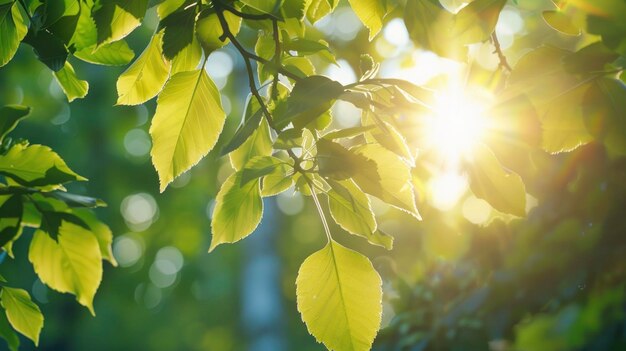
x=456 y=281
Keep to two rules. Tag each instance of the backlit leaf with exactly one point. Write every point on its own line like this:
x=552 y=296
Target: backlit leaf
x=145 y=77
x=113 y=54
x=73 y=264
x=371 y=14
x=476 y=21
x=12 y=31
x=339 y=296
x=238 y=211
x=10 y=116
x=188 y=120
x=115 y=19
x=23 y=314
x=73 y=87
x=259 y=143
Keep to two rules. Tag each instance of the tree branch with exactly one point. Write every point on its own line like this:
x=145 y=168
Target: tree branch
x=498 y=50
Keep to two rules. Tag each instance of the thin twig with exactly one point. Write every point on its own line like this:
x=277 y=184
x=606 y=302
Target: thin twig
x=277 y=59
x=248 y=16
x=498 y=50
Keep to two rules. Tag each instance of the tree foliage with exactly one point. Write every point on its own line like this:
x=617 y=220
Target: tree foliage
x=576 y=98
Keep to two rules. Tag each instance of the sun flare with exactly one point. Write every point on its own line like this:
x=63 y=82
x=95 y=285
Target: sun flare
x=457 y=124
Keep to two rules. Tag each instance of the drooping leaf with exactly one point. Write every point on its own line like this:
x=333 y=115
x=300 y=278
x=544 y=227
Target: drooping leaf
x=430 y=26
x=258 y=167
x=73 y=264
x=113 y=54
x=145 y=77
x=115 y=19
x=12 y=31
x=390 y=181
x=257 y=144
x=209 y=29
x=188 y=120
x=504 y=191
x=251 y=119
x=36 y=166
x=23 y=314
x=310 y=98
x=73 y=87
x=238 y=211
x=476 y=21
x=279 y=180
x=337 y=162
x=339 y=296
x=10 y=116
x=371 y=14
x=351 y=209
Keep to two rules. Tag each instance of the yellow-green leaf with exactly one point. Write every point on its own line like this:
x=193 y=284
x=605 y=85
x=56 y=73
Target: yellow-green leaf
x=12 y=31
x=115 y=19
x=188 y=120
x=101 y=231
x=73 y=87
x=320 y=8
x=476 y=21
x=391 y=181
x=339 y=296
x=258 y=144
x=371 y=14
x=23 y=314
x=73 y=264
x=238 y=210
x=351 y=209
x=36 y=166
x=503 y=190
x=188 y=58
x=560 y=22
x=145 y=77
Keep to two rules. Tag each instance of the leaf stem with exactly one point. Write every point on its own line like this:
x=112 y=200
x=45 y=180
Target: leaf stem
x=277 y=58
x=498 y=50
x=319 y=208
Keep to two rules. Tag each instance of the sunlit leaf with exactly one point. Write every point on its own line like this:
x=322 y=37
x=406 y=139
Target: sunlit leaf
x=188 y=58
x=115 y=19
x=339 y=296
x=36 y=166
x=23 y=314
x=188 y=120
x=390 y=181
x=101 y=231
x=145 y=77
x=560 y=22
x=73 y=264
x=259 y=143
x=279 y=180
x=113 y=54
x=178 y=29
x=12 y=31
x=238 y=211
x=320 y=8
x=604 y=106
x=371 y=14
x=503 y=190
x=351 y=209
x=209 y=29
x=73 y=87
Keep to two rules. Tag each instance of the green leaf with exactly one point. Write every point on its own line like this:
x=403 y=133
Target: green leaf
x=49 y=49
x=178 y=30
x=339 y=296
x=12 y=31
x=337 y=162
x=165 y=8
x=251 y=119
x=238 y=211
x=265 y=6
x=294 y=8
x=73 y=264
x=144 y=79
x=209 y=29
x=113 y=54
x=101 y=231
x=371 y=14
x=55 y=10
x=258 y=167
x=351 y=209
x=306 y=46
x=11 y=212
x=74 y=200
x=258 y=144
x=604 y=107
x=7 y=333
x=390 y=181
x=279 y=180
x=115 y=19
x=85 y=34
x=188 y=58
x=10 y=116
x=23 y=314
x=73 y=87
x=561 y=22
x=309 y=99
x=36 y=166
x=590 y=59
x=188 y=121
x=504 y=191
x=348 y=132
x=430 y=26
x=319 y=9
x=476 y=21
